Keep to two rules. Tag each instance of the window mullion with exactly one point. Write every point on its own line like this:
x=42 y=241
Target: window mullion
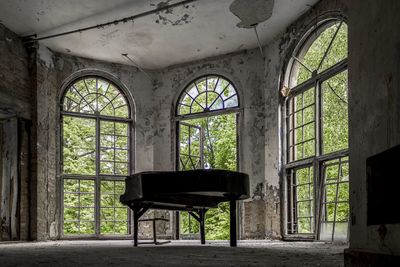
x=97 y=183
x=318 y=121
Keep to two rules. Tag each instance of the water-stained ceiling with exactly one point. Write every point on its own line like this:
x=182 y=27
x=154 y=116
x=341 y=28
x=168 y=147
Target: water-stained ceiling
x=198 y=30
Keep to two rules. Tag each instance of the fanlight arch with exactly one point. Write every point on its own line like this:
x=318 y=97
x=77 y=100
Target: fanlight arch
x=207 y=94
x=307 y=61
x=97 y=96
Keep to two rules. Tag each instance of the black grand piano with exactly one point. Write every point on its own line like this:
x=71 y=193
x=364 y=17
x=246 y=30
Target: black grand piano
x=194 y=191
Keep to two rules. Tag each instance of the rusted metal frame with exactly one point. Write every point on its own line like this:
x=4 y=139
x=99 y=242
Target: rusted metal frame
x=301 y=109
x=338 y=183
x=92 y=177
x=93 y=116
x=110 y=102
x=292 y=208
x=330 y=45
x=296 y=185
x=336 y=199
x=302 y=123
x=83 y=98
x=335 y=163
x=194 y=100
x=199 y=115
x=207 y=107
x=336 y=202
x=117 y=135
x=220 y=95
x=305 y=200
x=97 y=197
x=97 y=95
x=320 y=77
x=299 y=163
x=336 y=94
x=199 y=93
x=311 y=197
x=301 y=143
x=302 y=64
x=108 y=87
x=113 y=161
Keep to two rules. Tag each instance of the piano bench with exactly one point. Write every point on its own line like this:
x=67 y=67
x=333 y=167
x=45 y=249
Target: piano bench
x=154 y=230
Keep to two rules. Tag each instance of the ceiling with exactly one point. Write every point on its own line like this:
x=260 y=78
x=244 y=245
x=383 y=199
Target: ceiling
x=202 y=29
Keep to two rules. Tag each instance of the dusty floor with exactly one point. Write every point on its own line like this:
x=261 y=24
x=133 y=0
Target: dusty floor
x=177 y=253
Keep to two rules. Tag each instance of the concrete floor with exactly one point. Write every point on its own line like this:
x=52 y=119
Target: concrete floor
x=177 y=253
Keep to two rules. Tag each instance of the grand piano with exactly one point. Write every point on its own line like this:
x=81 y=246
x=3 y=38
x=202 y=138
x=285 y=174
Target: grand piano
x=195 y=191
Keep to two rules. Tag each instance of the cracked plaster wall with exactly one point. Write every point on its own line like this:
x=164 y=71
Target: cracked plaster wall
x=15 y=92
x=374 y=116
x=52 y=70
x=258 y=81
x=15 y=99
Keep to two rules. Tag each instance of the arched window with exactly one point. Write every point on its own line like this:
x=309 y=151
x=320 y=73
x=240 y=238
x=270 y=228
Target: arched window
x=316 y=123
x=209 y=93
x=96 y=122
x=207 y=117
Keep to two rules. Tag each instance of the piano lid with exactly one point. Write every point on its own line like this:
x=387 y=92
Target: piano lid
x=203 y=183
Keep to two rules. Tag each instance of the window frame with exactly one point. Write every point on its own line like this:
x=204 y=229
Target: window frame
x=317 y=161
x=97 y=177
x=177 y=119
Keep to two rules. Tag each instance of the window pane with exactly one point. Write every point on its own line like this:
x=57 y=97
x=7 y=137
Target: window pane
x=301 y=125
x=339 y=49
x=302 y=199
x=79 y=146
x=79 y=206
x=335 y=113
x=113 y=215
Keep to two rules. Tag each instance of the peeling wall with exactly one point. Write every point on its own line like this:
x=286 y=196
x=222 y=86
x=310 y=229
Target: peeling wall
x=15 y=92
x=15 y=102
x=374 y=100
x=374 y=78
x=52 y=69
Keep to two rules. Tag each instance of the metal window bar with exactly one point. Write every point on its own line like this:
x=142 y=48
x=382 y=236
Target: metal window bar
x=324 y=218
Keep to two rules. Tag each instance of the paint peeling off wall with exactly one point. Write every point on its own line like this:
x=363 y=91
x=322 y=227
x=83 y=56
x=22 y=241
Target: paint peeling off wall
x=52 y=70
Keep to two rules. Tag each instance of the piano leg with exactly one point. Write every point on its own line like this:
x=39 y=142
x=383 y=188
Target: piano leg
x=200 y=217
x=232 y=206
x=138 y=211
x=135 y=227
x=202 y=214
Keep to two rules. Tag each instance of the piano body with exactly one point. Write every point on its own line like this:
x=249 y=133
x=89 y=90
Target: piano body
x=194 y=191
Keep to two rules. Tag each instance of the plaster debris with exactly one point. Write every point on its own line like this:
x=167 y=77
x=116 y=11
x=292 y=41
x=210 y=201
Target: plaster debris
x=253 y=12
